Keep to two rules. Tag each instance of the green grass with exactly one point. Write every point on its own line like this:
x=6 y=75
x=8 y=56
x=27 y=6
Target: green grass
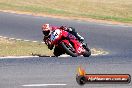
x=20 y=48
x=114 y=10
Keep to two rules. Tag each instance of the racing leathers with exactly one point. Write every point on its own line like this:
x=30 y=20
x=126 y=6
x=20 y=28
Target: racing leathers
x=69 y=29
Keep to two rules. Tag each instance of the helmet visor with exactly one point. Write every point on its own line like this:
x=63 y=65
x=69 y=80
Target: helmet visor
x=46 y=33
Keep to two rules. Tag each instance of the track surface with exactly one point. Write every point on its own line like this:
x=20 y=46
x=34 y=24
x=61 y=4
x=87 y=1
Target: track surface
x=117 y=39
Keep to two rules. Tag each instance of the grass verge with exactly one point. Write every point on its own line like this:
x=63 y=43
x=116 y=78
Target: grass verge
x=112 y=10
x=22 y=48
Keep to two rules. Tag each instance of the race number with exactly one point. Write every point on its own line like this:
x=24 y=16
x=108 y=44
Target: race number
x=55 y=34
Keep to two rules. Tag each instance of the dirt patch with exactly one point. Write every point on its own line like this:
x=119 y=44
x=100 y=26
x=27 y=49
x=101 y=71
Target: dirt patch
x=98 y=51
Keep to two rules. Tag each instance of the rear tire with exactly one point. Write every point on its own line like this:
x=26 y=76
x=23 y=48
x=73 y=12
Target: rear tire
x=87 y=52
x=69 y=52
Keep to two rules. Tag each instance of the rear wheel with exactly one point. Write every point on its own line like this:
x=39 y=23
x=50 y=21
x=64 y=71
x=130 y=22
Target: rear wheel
x=87 y=53
x=69 y=49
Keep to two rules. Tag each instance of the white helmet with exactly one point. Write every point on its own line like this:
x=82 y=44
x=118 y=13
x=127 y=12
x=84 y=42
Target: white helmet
x=46 y=29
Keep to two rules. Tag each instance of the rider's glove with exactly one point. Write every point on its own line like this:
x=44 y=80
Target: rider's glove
x=50 y=47
x=45 y=40
x=48 y=42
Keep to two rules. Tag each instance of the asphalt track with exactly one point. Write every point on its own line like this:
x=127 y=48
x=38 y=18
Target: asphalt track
x=18 y=73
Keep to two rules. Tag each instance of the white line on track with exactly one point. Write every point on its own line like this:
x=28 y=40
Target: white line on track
x=26 y=40
x=5 y=37
x=43 y=42
x=18 y=39
x=11 y=38
x=63 y=56
x=38 y=85
x=34 y=41
x=17 y=57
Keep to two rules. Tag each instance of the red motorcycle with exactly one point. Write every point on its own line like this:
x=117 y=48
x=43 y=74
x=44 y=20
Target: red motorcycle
x=67 y=43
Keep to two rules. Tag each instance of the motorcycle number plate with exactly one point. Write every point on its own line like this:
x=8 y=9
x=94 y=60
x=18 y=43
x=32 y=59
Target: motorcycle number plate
x=55 y=34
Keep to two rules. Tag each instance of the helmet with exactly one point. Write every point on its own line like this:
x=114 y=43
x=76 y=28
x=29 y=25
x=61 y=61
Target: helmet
x=46 y=29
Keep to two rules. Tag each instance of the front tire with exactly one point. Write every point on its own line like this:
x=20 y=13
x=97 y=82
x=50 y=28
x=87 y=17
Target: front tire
x=67 y=50
x=57 y=51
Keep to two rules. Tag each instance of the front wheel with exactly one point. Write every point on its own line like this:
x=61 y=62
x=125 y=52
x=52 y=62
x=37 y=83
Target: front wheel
x=57 y=51
x=68 y=49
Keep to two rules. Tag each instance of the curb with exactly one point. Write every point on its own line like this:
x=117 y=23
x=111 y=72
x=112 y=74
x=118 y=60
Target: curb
x=13 y=57
x=20 y=39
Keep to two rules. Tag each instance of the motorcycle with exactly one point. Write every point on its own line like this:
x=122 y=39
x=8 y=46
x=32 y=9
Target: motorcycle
x=67 y=43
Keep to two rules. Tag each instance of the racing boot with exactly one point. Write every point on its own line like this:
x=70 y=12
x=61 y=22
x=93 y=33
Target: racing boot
x=79 y=37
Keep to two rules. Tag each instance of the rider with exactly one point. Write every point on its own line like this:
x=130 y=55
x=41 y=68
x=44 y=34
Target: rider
x=47 y=29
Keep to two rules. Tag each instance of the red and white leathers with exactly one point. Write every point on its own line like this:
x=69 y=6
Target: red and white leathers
x=46 y=29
